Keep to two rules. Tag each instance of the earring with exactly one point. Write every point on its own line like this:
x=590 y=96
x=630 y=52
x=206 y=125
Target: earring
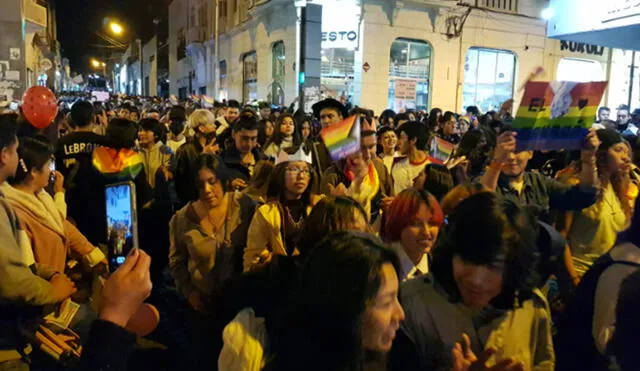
x=23 y=166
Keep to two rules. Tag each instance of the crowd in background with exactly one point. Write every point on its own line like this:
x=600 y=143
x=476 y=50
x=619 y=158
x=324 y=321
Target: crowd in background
x=266 y=253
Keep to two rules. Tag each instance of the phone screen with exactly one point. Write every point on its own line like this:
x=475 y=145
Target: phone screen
x=122 y=234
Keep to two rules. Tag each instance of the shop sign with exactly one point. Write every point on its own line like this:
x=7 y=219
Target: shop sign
x=583 y=48
x=619 y=9
x=340 y=23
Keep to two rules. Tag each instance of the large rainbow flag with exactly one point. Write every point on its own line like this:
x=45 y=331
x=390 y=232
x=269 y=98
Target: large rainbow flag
x=342 y=139
x=557 y=115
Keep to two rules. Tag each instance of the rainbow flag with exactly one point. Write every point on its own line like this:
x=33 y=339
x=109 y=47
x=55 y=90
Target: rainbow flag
x=207 y=101
x=441 y=150
x=173 y=99
x=342 y=139
x=120 y=164
x=557 y=115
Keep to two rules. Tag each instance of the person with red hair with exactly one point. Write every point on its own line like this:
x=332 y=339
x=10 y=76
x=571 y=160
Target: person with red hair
x=411 y=226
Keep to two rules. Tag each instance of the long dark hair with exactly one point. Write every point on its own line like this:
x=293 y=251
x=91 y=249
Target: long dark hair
x=34 y=154
x=122 y=133
x=323 y=330
x=331 y=214
x=481 y=229
x=278 y=137
x=215 y=165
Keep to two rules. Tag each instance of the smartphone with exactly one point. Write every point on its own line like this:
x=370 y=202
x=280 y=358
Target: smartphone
x=52 y=171
x=122 y=222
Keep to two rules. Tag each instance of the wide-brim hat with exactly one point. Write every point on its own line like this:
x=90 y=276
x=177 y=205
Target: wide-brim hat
x=329 y=103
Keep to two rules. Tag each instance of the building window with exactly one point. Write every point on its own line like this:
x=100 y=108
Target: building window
x=181 y=52
x=579 y=70
x=250 y=76
x=337 y=71
x=489 y=76
x=222 y=94
x=409 y=74
x=278 y=73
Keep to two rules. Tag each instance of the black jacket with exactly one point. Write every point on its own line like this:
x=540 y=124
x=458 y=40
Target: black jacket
x=233 y=160
x=108 y=348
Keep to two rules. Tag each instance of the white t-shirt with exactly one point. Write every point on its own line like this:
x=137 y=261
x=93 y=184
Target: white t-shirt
x=404 y=172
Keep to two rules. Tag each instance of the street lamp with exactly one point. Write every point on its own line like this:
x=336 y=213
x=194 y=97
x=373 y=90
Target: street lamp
x=116 y=28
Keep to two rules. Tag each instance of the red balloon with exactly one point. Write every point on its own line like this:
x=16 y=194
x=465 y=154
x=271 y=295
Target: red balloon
x=40 y=106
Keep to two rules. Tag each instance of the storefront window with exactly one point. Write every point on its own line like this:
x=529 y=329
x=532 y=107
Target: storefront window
x=337 y=71
x=222 y=93
x=488 y=78
x=409 y=74
x=579 y=70
x=278 y=73
x=250 y=77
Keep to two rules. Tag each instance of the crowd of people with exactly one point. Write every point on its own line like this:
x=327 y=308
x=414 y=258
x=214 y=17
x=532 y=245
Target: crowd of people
x=280 y=257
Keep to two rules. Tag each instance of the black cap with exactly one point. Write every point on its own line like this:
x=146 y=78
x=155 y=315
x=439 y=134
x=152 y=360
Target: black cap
x=608 y=138
x=177 y=113
x=329 y=103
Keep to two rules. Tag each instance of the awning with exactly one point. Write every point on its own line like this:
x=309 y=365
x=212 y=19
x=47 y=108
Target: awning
x=611 y=23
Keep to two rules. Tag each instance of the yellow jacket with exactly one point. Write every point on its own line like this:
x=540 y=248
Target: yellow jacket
x=264 y=237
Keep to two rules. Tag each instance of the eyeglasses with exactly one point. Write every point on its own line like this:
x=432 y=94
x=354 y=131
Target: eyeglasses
x=298 y=171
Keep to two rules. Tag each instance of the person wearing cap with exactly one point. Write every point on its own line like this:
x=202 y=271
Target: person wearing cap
x=592 y=231
x=204 y=141
x=506 y=175
x=328 y=112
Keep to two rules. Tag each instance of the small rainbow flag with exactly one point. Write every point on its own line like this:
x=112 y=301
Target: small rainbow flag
x=207 y=101
x=120 y=164
x=441 y=150
x=557 y=115
x=342 y=139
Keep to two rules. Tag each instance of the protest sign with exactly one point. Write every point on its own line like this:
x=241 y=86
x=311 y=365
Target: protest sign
x=342 y=139
x=557 y=115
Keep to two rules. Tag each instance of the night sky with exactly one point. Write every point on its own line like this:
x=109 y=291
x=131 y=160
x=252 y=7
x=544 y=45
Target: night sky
x=78 y=21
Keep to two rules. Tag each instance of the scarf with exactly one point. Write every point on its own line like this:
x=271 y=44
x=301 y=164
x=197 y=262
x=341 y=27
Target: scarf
x=41 y=206
x=364 y=190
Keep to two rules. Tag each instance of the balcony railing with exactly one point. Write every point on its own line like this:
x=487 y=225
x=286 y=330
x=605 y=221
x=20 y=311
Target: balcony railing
x=510 y=6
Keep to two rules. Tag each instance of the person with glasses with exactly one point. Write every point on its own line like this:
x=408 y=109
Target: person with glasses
x=276 y=225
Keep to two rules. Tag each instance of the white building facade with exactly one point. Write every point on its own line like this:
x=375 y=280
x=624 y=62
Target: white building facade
x=398 y=54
